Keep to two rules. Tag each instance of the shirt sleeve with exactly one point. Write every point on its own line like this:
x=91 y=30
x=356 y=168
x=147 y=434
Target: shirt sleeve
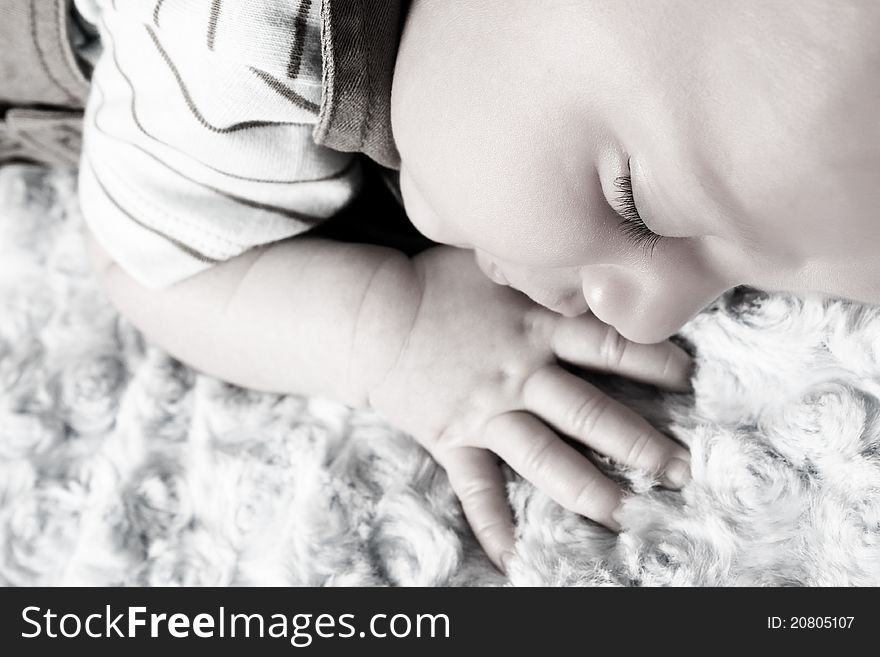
x=198 y=133
x=360 y=43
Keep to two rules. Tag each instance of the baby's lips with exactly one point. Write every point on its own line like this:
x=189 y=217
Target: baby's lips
x=497 y=275
x=491 y=270
x=574 y=305
x=571 y=304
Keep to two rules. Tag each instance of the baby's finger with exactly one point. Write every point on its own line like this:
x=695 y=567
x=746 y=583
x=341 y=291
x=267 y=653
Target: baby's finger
x=532 y=449
x=580 y=410
x=588 y=342
x=476 y=479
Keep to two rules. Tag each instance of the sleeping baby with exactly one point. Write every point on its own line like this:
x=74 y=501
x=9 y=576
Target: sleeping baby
x=600 y=171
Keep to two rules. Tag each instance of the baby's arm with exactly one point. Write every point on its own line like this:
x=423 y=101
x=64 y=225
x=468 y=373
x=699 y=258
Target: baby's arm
x=282 y=318
x=468 y=367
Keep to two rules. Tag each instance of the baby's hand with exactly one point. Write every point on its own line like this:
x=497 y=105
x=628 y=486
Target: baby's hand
x=480 y=375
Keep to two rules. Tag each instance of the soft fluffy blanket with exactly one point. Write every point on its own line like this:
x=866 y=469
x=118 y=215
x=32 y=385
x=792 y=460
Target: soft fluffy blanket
x=119 y=465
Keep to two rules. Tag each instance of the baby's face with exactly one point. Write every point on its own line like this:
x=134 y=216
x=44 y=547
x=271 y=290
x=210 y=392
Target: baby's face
x=748 y=133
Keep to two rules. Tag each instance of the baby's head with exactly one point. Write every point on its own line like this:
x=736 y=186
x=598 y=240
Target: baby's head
x=638 y=158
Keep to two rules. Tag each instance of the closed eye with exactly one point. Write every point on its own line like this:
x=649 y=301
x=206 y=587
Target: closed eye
x=632 y=225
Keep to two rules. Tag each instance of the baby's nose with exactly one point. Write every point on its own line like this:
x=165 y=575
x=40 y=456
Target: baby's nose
x=647 y=307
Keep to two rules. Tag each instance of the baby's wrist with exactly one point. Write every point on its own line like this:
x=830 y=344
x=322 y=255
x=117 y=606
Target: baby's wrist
x=383 y=323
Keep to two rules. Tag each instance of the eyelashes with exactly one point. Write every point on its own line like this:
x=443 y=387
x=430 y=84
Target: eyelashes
x=632 y=225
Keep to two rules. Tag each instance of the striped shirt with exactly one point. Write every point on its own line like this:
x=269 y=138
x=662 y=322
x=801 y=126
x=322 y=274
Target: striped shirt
x=198 y=134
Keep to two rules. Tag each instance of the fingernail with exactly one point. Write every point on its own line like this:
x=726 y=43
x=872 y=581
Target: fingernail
x=613 y=523
x=677 y=474
x=506 y=561
x=686 y=383
x=617 y=516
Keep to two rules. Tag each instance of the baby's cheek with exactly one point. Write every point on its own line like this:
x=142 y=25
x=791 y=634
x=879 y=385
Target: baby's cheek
x=557 y=289
x=420 y=212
